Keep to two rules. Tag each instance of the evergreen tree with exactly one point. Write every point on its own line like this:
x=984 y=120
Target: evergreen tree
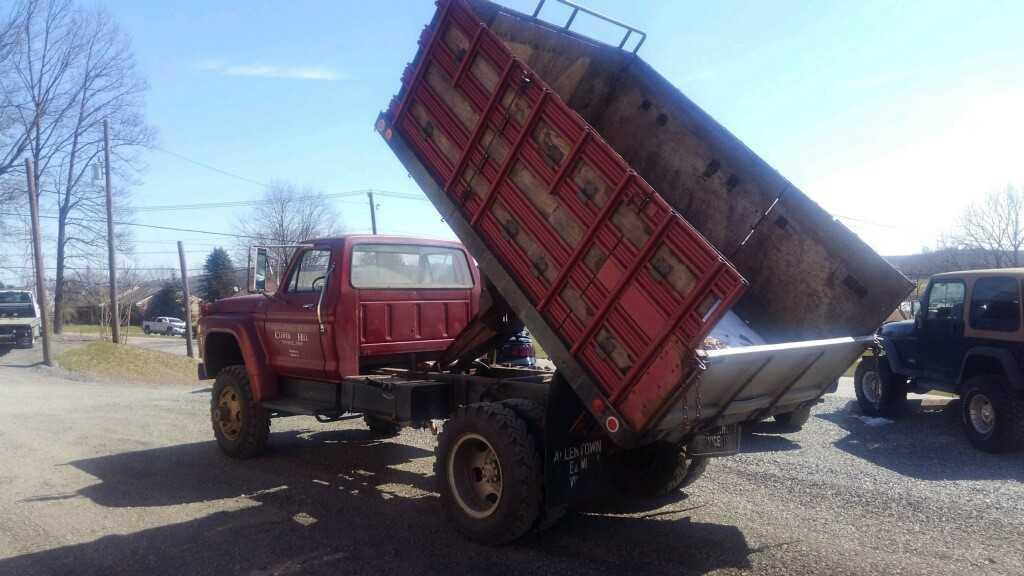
x=168 y=301
x=220 y=276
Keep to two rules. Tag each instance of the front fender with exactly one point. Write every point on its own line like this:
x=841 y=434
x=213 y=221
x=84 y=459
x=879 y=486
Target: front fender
x=261 y=376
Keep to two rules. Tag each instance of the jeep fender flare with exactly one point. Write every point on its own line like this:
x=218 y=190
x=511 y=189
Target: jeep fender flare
x=1000 y=355
x=895 y=362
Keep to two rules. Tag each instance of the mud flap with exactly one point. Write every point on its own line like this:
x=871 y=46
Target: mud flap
x=575 y=449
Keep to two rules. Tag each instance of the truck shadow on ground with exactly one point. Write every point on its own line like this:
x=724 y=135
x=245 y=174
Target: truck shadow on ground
x=338 y=501
x=765 y=436
x=926 y=443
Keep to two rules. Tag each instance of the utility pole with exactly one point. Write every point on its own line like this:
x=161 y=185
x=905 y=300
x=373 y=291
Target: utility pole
x=115 y=324
x=373 y=213
x=37 y=250
x=188 y=300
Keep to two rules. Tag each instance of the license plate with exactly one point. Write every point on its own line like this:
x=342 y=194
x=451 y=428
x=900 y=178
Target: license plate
x=722 y=441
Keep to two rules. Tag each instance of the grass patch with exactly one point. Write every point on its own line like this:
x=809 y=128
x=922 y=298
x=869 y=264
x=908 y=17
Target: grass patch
x=129 y=363
x=90 y=329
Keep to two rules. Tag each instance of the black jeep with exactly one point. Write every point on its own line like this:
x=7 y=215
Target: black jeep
x=966 y=339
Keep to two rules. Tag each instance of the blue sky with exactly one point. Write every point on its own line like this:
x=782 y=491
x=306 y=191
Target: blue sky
x=894 y=113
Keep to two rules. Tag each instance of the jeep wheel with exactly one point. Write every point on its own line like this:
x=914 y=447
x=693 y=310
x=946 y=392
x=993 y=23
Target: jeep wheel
x=879 y=391
x=240 y=424
x=795 y=420
x=992 y=418
x=380 y=427
x=489 y=473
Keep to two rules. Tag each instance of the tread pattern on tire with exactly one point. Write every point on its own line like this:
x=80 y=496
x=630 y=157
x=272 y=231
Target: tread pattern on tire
x=534 y=415
x=525 y=461
x=1008 y=438
x=894 y=394
x=254 y=436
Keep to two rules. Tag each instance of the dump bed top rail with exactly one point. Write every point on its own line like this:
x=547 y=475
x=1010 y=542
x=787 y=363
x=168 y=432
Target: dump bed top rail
x=576 y=9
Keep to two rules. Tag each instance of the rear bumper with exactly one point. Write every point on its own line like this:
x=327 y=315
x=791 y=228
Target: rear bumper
x=17 y=334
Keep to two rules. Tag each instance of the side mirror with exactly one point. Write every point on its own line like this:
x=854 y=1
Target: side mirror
x=259 y=269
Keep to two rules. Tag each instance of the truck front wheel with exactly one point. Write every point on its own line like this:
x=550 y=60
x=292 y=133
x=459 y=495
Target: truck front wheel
x=489 y=473
x=992 y=417
x=240 y=424
x=879 y=390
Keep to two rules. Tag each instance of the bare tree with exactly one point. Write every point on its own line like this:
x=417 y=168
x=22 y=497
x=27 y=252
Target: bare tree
x=72 y=69
x=287 y=215
x=993 y=228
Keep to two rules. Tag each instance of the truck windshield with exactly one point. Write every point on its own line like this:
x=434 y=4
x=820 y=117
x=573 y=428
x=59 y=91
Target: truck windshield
x=15 y=298
x=409 y=266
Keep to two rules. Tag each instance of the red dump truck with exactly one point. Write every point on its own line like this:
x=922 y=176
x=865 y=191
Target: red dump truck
x=602 y=209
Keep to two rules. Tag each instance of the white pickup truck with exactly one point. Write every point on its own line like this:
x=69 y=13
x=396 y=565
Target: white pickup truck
x=19 y=318
x=164 y=325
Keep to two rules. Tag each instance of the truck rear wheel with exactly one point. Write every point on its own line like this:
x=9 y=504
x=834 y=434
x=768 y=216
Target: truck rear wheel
x=795 y=420
x=992 y=417
x=879 y=390
x=655 y=471
x=240 y=424
x=489 y=473
x=380 y=427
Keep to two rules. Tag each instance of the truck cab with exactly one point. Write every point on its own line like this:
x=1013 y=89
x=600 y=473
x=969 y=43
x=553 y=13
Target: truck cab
x=342 y=306
x=966 y=339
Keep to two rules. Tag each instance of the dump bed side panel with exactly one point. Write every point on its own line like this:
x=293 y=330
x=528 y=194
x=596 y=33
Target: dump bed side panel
x=623 y=282
x=810 y=276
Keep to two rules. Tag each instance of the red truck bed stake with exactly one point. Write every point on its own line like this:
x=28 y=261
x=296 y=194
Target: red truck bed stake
x=627 y=285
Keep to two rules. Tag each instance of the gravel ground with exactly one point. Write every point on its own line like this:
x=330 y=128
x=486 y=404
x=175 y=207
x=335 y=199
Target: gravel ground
x=124 y=479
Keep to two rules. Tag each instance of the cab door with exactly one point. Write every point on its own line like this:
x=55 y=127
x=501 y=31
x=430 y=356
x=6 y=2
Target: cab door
x=941 y=330
x=292 y=324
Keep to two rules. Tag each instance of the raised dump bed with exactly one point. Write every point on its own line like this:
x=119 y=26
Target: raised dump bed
x=810 y=277
x=617 y=286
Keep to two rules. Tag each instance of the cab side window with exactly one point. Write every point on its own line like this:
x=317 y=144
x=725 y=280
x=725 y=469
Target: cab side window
x=995 y=304
x=310 y=272
x=946 y=300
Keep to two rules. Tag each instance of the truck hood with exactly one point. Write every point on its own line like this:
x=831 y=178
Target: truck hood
x=239 y=304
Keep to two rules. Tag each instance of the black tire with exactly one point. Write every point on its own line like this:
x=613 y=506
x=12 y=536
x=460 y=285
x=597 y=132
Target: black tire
x=654 y=471
x=795 y=420
x=695 y=470
x=506 y=440
x=534 y=414
x=380 y=427
x=890 y=399
x=146 y=330
x=242 y=433
x=992 y=417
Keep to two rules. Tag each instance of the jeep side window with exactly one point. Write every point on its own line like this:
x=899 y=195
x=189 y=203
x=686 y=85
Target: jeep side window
x=995 y=304
x=946 y=300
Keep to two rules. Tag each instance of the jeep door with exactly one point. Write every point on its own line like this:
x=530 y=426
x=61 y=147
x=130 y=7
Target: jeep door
x=941 y=330
x=292 y=327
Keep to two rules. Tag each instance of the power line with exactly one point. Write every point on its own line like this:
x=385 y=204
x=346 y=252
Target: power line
x=153 y=226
